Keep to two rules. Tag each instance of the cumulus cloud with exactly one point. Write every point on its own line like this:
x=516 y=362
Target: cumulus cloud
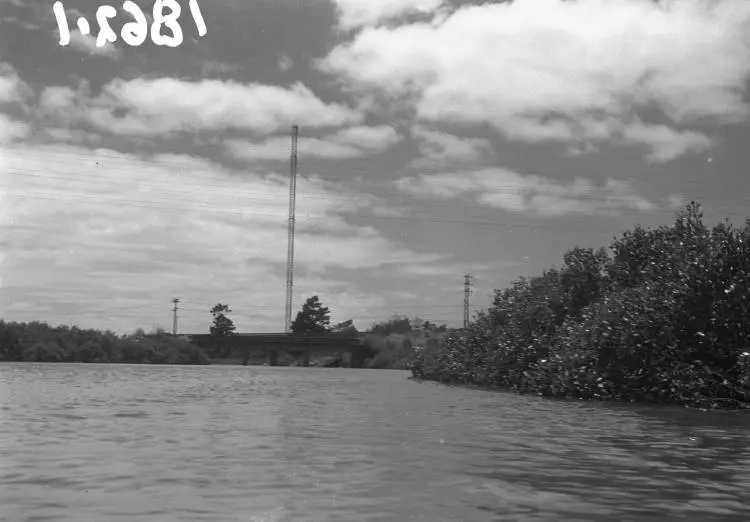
x=82 y=226
x=358 y=13
x=567 y=71
x=66 y=135
x=352 y=142
x=666 y=144
x=168 y=105
x=12 y=90
x=12 y=130
x=441 y=148
x=514 y=192
x=87 y=44
x=12 y=87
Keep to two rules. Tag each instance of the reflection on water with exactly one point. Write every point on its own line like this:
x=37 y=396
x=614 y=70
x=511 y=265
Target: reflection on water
x=99 y=443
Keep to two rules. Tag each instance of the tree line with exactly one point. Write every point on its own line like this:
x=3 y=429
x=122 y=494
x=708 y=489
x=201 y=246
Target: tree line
x=39 y=342
x=661 y=317
x=394 y=341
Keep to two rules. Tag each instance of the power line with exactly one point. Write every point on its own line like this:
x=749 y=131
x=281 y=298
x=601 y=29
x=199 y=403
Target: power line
x=157 y=203
x=135 y=204
x=201 y=188
x=147 y=308
x=203 y=164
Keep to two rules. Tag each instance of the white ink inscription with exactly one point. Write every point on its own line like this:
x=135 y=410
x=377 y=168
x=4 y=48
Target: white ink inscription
x=166 y=14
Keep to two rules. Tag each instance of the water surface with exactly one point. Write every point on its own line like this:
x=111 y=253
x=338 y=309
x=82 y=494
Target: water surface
x=100 y=443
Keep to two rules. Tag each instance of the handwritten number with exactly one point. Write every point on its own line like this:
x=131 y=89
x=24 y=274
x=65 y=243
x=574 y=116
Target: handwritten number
x=169 y=20
x=62 y=23
x=135 y=33
x=106 y=34
x=195 y=10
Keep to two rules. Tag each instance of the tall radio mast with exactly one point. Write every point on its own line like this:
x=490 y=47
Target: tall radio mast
x=290 y=247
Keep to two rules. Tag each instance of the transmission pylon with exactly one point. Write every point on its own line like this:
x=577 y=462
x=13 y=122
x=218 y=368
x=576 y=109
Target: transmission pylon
x=468 y=282
x=175 y=301
x=290 y=246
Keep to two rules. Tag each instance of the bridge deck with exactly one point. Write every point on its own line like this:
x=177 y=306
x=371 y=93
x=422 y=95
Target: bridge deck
x=283 y=338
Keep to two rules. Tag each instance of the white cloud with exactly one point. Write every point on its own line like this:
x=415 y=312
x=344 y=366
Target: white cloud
x=440 y=148
x=93 y=233
x=514 y=192
x=87 y=44
x=666 y=144
x=285 y=63
x=347 y=143
x=12 y=87
x=569 y=71
x=167 y=105
x=278 y=148
x=369 y=138
x=11 y=130
x=357 y=13
x=72 y=136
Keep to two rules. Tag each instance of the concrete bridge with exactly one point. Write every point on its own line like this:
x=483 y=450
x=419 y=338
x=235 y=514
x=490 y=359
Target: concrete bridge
x=296 y=345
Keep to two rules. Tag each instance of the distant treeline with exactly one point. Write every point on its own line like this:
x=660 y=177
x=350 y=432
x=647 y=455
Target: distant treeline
x=393 y=340
x=39 y=342
x=664 y=318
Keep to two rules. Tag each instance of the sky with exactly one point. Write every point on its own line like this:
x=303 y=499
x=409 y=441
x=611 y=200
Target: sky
x=436 y=138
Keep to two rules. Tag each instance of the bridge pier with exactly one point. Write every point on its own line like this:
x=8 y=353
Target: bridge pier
x=357 y=359
x=306 y=358
x=273 y=356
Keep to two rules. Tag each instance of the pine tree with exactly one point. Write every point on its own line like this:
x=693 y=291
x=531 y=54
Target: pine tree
x=313 y=318
x=222 y=326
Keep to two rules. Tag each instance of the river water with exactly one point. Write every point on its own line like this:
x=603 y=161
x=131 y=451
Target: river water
x=82 y=442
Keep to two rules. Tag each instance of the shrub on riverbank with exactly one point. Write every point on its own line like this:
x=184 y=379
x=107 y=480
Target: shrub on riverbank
x=397 y=351
x=39 y=342
x=392 y=352
x=665 y=319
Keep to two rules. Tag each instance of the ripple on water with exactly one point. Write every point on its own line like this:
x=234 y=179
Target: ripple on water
x=89 y=442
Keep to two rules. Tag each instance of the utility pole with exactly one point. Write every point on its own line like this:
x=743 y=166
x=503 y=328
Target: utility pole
x=174 y=324
x=468 y=281
x=290 y=246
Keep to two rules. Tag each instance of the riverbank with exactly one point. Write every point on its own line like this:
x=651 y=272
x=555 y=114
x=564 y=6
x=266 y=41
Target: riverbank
x=663 y=320
x=40 y=342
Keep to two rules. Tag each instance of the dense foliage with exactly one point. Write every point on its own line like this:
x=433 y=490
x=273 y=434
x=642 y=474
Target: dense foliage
x=222 y=325
x=39 y=342
x=313 y=318
x=397 y=340
x=663 y=318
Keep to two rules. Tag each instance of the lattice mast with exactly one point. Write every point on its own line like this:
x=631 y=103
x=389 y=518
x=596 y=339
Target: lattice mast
x=468 y=282
x=290 y=246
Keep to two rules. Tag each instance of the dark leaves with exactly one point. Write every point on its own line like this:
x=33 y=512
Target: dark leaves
x=664 y=320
